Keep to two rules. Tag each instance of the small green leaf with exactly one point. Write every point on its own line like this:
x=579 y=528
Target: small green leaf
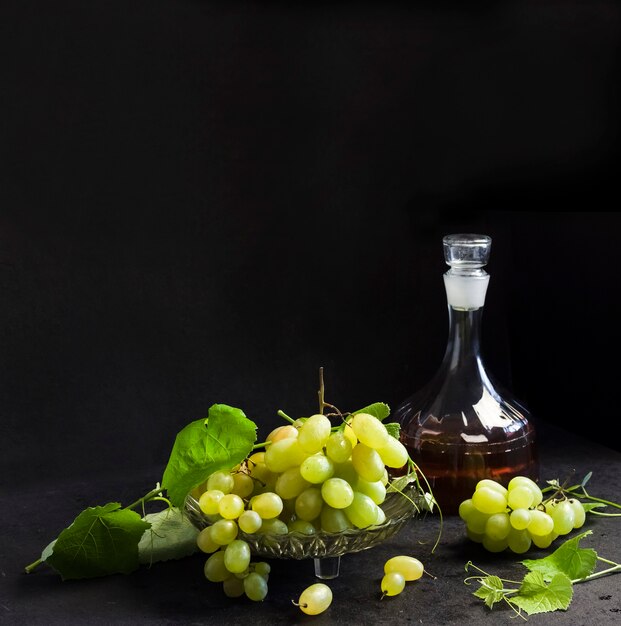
x=537 y=596
x=171 y=536
x=101 y=540
x=377 y=409
x=221 y=441
x=568 y=559
x=491 y=590
x=393 y=428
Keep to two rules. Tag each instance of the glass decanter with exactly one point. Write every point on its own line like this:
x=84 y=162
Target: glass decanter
x=462 y=427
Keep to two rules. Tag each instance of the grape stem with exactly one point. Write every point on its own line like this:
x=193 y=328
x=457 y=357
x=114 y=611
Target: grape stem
x=285 y=416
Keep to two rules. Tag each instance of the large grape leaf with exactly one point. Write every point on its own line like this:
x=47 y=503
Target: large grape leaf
x=205 y=446
x=101 y=540
x=537 y=596
x=171 y=536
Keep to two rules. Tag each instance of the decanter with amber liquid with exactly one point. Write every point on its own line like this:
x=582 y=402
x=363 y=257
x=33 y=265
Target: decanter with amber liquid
x=462 y=427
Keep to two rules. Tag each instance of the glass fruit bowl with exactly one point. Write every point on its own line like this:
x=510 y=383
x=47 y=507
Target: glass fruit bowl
x=404 y=501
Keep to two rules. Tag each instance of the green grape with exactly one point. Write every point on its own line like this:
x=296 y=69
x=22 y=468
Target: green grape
x=408 y=566
x=210 y=501
x=262 y=568
x=268 y=505
x=243 y=484
x=519 y=541
x=520 y=497
x=290 y=483
x=273 y=526
x=381 y=516
x=233 y=587
x=520 y=519
x=317 y=468
x=362 y=512
x=393 y=453
x=375 y=490
x=563 y=515
x=334 y=520
x=488 y=500
x=249 y=521
x=301 y=526
x=255 y=586
x=476 y=537
x=392 y=584
x=314 y=433
x=282 y=432
x=497 y=526
x=231 y=506
x=337 y=493
x=531 y=484
x=543 y=541
x=541 y=524
x=215 y=569
x=308 y=504
x=241 y=575
x=204 y=541
x=338 y=447
x=237 y=556
x=222 y=481
x=495 y=545
x=346 y=471
x=367 y=462
x=579 y=512
x=369 y=430
x=315 y=599
x=492 y=484
x=475 y=520
x=283 y=454
x=224 y=531
x=259 y=472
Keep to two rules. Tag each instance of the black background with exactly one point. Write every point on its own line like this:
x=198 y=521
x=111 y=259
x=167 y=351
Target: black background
x=205 y=202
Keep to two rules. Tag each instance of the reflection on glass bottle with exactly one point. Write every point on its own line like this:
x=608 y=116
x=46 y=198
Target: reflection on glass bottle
x=462 y=427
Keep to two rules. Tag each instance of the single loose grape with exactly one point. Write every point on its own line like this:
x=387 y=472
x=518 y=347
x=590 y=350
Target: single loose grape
x=408 y=566
x=392 y=584
x=315 y=599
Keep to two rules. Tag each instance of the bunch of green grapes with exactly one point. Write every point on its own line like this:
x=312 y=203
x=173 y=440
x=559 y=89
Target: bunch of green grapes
x=516 y=517
x=311 y=477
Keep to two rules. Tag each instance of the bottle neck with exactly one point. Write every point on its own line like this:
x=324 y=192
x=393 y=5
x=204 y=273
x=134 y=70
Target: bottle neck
x=463 y=348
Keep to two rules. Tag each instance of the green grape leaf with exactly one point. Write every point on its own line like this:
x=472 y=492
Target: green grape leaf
x=537 y=596
x=491 y=590
x=393 y=428
x=171 y=536
x=589 y=506
x=377 y=409
x=568 y=559
x=101 y=540
x=205 y=446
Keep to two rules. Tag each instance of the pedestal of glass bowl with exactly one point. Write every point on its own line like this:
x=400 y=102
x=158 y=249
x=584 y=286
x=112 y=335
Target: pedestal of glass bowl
x=403 y=502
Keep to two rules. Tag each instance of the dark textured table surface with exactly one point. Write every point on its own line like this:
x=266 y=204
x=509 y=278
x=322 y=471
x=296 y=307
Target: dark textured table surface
x=175 y=592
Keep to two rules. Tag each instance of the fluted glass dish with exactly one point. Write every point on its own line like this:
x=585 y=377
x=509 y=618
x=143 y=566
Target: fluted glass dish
x=400 y=506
